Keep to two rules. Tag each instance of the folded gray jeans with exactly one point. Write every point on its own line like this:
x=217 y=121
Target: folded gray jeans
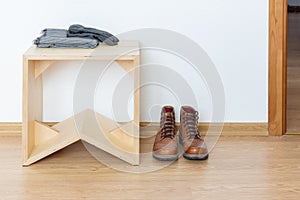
x=57 y=38
x=77 y=30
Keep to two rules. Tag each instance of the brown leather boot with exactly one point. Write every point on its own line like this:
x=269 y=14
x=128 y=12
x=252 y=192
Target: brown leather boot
x=165 y=144
x=190 y=138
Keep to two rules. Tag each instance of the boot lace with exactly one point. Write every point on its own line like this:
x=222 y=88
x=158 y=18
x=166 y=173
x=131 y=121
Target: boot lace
x=167 y=125
x=191 y=125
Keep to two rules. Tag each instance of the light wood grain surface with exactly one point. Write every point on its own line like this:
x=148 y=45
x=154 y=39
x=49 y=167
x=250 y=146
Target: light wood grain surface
x=125 y=50
x=238 y=168
x=150 y=128
x=40 y=140
x=277 y=67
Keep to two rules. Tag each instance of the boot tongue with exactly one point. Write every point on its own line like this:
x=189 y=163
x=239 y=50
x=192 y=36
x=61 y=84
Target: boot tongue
x=168 y=109
x=189 y=110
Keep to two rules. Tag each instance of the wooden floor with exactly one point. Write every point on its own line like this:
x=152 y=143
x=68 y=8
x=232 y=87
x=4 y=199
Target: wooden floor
x=238 y=168
x=293 y=73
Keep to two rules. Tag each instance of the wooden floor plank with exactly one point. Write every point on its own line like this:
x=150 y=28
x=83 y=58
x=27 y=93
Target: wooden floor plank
x=238 y=168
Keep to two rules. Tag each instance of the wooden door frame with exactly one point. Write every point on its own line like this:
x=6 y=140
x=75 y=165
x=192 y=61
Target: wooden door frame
x=277 y=67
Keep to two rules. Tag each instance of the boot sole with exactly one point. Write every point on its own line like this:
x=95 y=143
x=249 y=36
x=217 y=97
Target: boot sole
x=165 y=157
x=195 y=156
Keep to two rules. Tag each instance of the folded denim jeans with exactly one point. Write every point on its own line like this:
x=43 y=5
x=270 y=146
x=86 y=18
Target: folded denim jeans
x=57 y=38
x=77 y=30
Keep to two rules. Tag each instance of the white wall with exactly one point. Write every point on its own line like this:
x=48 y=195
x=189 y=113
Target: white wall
x=233 y=33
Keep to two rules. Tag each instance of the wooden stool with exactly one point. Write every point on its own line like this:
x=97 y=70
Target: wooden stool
x=40 y=140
